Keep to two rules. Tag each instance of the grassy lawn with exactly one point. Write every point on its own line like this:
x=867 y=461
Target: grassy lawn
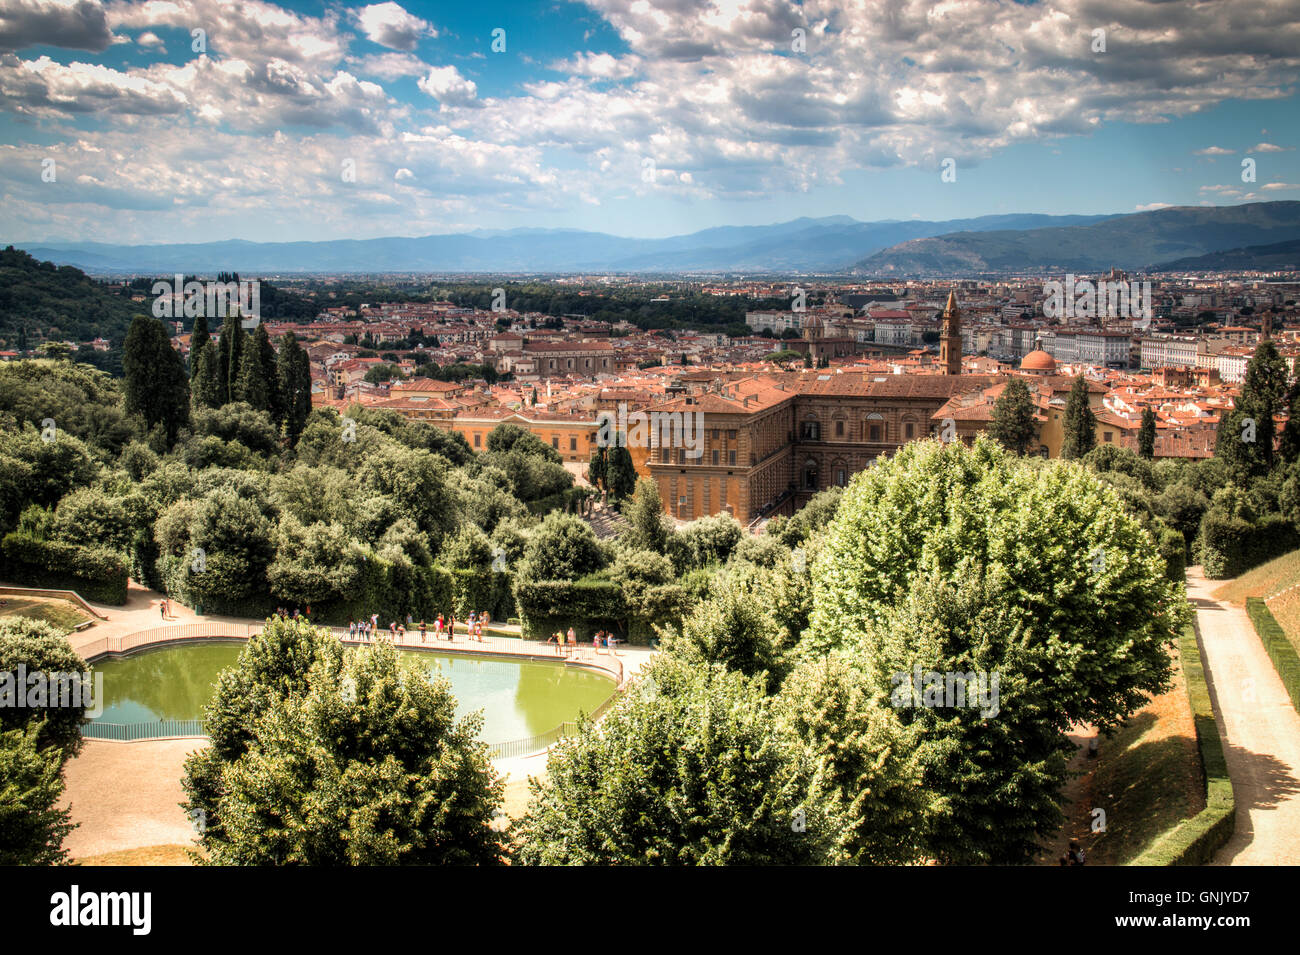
x=61 y=613
x=1147 y=778
x=1266 y=579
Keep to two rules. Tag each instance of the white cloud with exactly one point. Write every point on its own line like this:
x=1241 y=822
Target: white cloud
x=1151 y=206
x=1269 y=148
x=388 y=24
x=1279 y=186
x=1214 y=151
x=445 y=84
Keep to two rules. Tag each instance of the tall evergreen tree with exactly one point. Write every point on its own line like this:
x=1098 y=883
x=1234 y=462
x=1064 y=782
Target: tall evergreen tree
x=650 y=527
x=1290 y=449
x=203 y=384
x=1147 y=435
x=22 y=338
x=1080 y=422
x=1245 y=436
x=1013 y=417
x=293 y=368
x=198 y=338
x=259 y=375
x=156 y=385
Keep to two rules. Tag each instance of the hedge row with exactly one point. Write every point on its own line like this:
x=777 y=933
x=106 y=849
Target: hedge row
x=586 y=605
x=1195 y=841
x=97 y=573
x=1230 y=545
x=1279 y=647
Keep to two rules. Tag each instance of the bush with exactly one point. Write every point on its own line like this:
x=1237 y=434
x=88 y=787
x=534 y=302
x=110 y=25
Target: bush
x=96 y=573
x=1230 y=545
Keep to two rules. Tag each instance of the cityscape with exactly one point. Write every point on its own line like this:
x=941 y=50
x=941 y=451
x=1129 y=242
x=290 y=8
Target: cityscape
x=758 y=433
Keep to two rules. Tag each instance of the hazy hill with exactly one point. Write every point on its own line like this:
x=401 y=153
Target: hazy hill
x=826 y=244
x=1139 y=241
x=1260 y=258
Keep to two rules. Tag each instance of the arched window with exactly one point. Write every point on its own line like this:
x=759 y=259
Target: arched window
x=810 y=475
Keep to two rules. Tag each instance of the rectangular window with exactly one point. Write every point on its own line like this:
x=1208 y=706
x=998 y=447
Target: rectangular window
x=573 y=444
x=731 y=457
x=715 y=457
x=875 y=432
x=841 y=478
x=731 y=434
x=911 y=430
x=478 y=440
x=839 y=429
x=555 y=442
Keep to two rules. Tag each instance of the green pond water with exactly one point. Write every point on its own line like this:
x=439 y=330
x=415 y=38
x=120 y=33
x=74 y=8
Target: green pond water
x=519 y=698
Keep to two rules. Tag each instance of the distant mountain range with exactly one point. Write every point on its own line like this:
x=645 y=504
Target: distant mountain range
x=801 y=245
x=1142 y=241
x=1279 y=255
x=1252 y=236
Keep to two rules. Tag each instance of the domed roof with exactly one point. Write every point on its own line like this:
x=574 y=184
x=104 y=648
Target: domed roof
x=1038 y=360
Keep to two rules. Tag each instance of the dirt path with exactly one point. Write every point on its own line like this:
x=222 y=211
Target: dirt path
x=1261 y=732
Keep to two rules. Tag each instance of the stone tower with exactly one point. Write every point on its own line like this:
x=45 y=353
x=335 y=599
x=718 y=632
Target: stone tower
x=950 y=337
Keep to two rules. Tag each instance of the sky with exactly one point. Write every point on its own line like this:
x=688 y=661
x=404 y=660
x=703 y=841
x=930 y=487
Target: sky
x=198 y=120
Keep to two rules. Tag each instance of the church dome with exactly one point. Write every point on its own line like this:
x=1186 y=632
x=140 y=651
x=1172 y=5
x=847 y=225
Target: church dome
x=1039 y=361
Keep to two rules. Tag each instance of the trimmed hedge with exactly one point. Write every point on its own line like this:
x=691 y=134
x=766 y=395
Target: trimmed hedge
x=97 y=573
x=474 y=591
x=1195 y=841
x=586 y=605
x=1279 y=647
x=1230 y=546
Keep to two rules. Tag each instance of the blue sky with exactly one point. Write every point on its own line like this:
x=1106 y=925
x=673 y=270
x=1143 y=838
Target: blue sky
x=300 y=121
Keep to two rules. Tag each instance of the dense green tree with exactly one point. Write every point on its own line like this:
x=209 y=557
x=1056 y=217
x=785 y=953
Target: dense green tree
x=1080 y=423
x=258 y=375
x=1147 y=434
x=562 y=547
x=40 y=647
x=649 y=527
x=961 y=559
x=314 y=563
x=32 y=823
x=205 y=392
x=156 y=384
x=199 y=337
x=705 y=541
x=1013 y=417
x=620 y=474
x=325 y=758
x=731 y=629
x=294 y=388
x=866 y=761
x=511 y=437
x=690 y=767
x=1246 y=434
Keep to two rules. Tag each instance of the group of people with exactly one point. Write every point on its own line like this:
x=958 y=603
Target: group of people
x=367 y=630
x=297 y=614
x=568 y=642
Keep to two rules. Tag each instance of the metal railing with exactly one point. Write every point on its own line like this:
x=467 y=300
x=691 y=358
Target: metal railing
x=130 y=732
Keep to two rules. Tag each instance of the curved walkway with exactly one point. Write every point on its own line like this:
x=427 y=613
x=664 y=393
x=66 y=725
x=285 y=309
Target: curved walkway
x=1260 y=728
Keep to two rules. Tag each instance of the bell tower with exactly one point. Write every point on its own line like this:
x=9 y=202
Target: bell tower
x=950 y=337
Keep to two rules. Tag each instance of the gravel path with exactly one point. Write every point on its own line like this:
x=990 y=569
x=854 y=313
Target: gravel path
x=1261 y=732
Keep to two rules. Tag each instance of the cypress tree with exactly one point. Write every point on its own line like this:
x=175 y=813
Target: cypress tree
x=156 y=385
x=1080 y=422
x=203 y=385
x=198 y=338
x=1147 y=436
x=293 y=368
x=1013 y=417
